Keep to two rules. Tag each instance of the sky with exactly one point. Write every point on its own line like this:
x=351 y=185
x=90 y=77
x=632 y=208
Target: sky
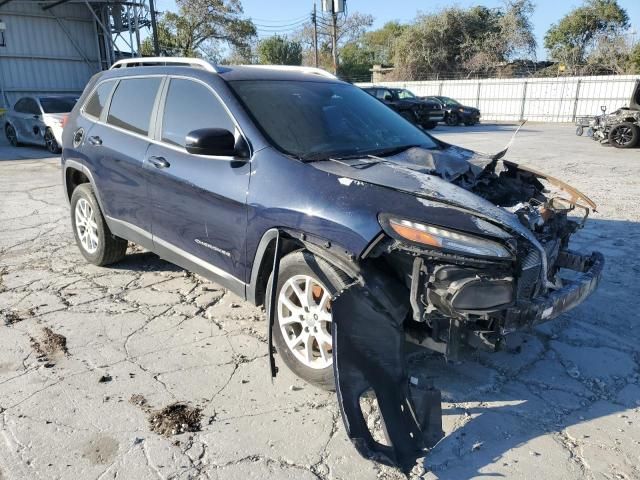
x=266 y=13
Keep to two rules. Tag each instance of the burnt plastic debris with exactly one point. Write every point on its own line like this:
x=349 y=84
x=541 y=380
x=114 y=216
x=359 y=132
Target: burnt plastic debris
x=368 y=354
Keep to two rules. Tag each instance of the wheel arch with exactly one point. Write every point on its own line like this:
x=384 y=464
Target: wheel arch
x=75 y=173
x=292 y=241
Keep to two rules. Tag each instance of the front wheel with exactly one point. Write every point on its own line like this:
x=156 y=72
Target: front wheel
x=624 y=135
x=51 y=142
x=93 y=237
x=303 y=321
x=12 y=136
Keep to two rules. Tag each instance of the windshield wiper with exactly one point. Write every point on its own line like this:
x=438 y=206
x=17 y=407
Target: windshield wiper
x=387 y=152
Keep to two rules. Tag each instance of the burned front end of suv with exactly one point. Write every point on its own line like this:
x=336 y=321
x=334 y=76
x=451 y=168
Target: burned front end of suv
x=484 y=252
x=474 y=288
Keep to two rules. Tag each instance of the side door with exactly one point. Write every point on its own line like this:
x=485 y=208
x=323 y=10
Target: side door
x=199 y=202
x=32 y=122
x=115 y=147
x=19 y=119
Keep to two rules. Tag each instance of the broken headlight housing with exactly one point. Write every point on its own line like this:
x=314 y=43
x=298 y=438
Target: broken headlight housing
x=442 y=238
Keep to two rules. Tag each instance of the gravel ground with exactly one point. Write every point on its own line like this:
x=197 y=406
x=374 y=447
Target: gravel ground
x=89 y=355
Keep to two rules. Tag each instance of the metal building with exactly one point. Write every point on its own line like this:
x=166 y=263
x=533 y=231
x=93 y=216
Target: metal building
x=55 y=46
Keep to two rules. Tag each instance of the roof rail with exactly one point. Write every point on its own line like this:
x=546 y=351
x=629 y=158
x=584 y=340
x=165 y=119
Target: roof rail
x=294 y=68
x=163 y=61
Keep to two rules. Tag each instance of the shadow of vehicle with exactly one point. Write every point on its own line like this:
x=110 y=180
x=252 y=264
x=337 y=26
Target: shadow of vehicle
x=24 y=152
x=142 y=261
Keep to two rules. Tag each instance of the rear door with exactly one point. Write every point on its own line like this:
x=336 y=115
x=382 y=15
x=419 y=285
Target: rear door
x=199 y=202
x=116 y=146
x=27 y=119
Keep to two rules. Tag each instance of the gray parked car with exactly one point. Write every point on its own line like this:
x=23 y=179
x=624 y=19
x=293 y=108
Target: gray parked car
x=38 y=120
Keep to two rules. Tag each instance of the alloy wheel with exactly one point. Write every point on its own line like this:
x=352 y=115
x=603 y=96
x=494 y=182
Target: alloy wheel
x=11 y=135
x=86 y=226
x=50 y=141
x=622 y=135
x=304 y=318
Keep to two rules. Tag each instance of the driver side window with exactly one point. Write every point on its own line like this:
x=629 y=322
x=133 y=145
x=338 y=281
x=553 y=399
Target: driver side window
x=190 y=106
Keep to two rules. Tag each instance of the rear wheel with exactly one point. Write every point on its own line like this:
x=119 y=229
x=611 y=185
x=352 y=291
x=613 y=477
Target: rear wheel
x=51 y=142
x=93 y=237
x=12 y=136
x=453 y=119
x=303 y=321
x=624 y=135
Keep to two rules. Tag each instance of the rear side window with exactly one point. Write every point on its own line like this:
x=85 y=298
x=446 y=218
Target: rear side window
x=132 y=104
x=27 y=105
x=20 y=106
x=190 y=106
x=98 y=100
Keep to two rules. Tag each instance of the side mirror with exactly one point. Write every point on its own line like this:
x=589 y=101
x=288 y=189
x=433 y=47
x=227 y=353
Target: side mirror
x=217 y=142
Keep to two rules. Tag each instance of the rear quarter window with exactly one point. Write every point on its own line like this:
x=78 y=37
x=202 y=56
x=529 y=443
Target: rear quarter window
x=132 y=103
x=97 y=101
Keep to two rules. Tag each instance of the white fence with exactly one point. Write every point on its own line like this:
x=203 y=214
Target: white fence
x=559 y=99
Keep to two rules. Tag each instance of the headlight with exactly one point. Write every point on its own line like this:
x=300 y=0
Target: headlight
x=442 y=238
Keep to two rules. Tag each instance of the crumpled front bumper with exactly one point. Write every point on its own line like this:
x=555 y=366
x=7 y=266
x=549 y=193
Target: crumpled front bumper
x=547 y=307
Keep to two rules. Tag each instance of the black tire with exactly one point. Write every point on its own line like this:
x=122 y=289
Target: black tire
x=305 y=263
x=409 y=116
x=429 y=125
x=624 y=135
x=579 y=131
x=110 y=249
x=452 y=119
x=51 y=142
x=11 y=135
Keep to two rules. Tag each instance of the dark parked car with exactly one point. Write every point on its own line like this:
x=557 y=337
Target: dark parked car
x=355 y=228
x=455 y=112
x=423 y=112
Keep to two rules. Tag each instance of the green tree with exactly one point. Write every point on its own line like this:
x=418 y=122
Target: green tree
x=633 y=63
x=470 y=40
x=576 y=35
x=200 y=26
x=279 y=50
x=381 y=43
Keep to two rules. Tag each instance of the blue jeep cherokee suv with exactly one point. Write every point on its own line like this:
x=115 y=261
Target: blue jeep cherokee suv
x=367 y=223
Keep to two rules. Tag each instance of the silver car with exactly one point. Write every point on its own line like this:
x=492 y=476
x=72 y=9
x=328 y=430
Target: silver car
x=38 y=120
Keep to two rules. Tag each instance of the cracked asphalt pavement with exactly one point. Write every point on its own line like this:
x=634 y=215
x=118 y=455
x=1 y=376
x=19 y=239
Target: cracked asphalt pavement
x=562 y=403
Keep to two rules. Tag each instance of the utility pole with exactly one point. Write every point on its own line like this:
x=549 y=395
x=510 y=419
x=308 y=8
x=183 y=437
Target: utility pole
x=334 y=38
x=314 y=19
x=154 y=29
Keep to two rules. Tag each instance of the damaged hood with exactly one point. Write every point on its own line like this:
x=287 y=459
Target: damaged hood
x=430 y=176
x=440 y=178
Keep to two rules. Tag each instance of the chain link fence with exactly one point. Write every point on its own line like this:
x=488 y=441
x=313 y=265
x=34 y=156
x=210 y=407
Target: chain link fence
x=559 y=99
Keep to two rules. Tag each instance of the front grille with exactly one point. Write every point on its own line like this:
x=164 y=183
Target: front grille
x=529 y=275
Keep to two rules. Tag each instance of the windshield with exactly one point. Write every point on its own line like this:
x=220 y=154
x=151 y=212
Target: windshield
x=402 y=94
x=318 y=120
x=57 y=104
x=449 y=102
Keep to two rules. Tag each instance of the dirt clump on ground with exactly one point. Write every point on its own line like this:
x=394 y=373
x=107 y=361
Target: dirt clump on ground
x=11 y=317
x=51 y=344
x=175 y=419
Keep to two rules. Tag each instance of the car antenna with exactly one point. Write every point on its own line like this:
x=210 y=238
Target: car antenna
x=503 y=152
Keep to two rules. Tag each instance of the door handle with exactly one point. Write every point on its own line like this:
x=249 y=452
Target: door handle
x=95 y=141
x=159 y=162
